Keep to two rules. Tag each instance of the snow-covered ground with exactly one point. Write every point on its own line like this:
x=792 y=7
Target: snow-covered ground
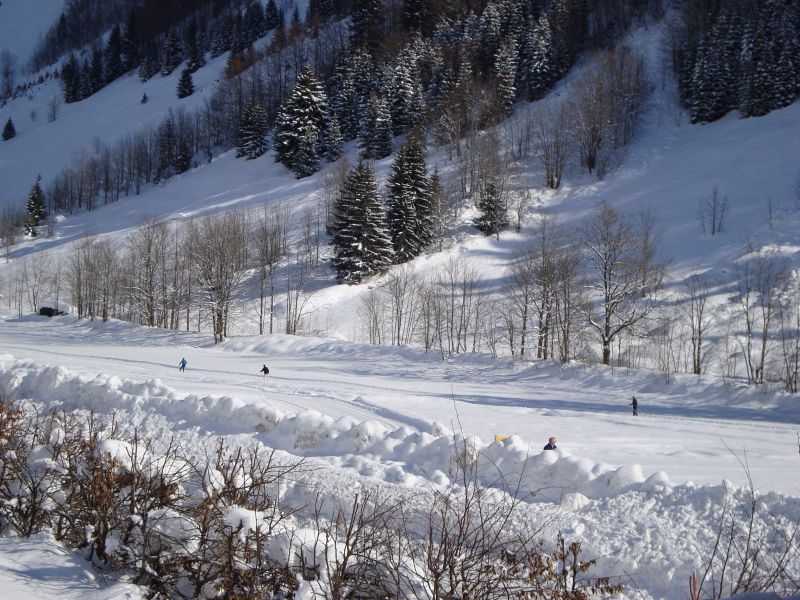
x=643 y=493
x=381 y=417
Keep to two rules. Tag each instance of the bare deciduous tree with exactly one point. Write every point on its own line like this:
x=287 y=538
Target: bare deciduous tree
x=219 y=255
x=712 y=212
x=553 y=144
x=613 y=261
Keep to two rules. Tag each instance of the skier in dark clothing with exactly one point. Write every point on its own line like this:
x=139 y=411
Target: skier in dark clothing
x=265 y=371
x=182 y=365
x=551 y=444
x=635 y=404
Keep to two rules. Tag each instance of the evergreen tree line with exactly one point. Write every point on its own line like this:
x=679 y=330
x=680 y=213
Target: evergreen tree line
x=360 y=99
x=737 y=55
x=82 y=22
x=133 y=45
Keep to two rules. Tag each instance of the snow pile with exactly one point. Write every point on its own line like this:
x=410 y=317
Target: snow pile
x=400 y=455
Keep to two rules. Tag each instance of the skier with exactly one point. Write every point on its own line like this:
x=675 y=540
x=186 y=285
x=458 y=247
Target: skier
x=635 y=404
x=265 y=371
x=551 y=444
x=182 y=365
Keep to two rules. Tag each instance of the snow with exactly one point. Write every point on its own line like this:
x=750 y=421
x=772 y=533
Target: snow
x=38 y=567
x=639 y=492
x=23 y=22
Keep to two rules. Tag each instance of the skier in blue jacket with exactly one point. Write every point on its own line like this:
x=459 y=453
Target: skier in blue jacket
x=182 y=365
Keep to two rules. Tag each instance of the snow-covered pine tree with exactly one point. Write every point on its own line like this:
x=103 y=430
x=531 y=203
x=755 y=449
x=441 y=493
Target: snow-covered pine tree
x=300 y=125
x=194 y=49
x=130 y=43
x=185 y=84
x=271 y=18
x=536 y=65
x=332 y=140
x=409 y=204
x=404 y=87
x=505 y=66
x=366 y=27
x=362 y=246
x=9 y=131
x=254 y=22
x=35 y=209
x=114 y=65
x=252 y=132
x=171 y=52
x=438 y=208
x=221 y=41
x=376 y=129
x=71 y=79
x=401 y=214
x=150 y=62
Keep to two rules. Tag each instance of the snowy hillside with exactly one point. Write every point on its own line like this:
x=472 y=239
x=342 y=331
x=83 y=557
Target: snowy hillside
x=23 y=22
x=645 y=495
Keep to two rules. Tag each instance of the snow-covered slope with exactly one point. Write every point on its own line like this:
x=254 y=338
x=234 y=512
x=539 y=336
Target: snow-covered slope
x=649 y=486
x=24 y=22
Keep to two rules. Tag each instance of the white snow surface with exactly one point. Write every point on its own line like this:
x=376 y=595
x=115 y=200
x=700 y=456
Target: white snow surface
x=38 y=567
x=640 y=492
x=23 y=23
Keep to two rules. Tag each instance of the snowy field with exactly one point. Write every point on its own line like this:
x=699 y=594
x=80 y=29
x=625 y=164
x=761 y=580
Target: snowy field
x=642 y=493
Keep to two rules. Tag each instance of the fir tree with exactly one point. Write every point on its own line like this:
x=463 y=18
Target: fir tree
x=183 y=157
x=254 y=22
x=185 y=84
x=376 y=129
x=362 y=246
x=492 y=204
x=94 y=76
x=300 y=125
x=35 y=208
x=271 y=17
x=150 y=62
x=366 y=27
x=506 y=68
x=71 y=79
x=536 y=69
x=332 y=141
x=221 y=41
x=409 y=207
x=171 y=52
x=114 y=65
x=131 y=42
x=9 y=131
x=194 y=50
x=252 y=132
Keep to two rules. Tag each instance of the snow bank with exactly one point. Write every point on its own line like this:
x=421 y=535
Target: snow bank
x=402 y=455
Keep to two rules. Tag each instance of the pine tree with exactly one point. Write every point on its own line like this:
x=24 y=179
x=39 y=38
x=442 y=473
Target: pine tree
x=492 y=204
x=376 y=129
x=114 y=65
x=131 y=42
x=254 y=22
x=150 y=62
x=9 y=131
x=185 y=84
x=366 y=27
x=409 y=208
x=71 y=79
x=35 y=208
x=332 y=141
x=252 y=132
x=194 y=50
x=271 y=18
x=506 y=68
x=300 y=125
x=221 y=41
x=183 y=157
x=362 y=246
x=536 y=69
x=171 y=52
